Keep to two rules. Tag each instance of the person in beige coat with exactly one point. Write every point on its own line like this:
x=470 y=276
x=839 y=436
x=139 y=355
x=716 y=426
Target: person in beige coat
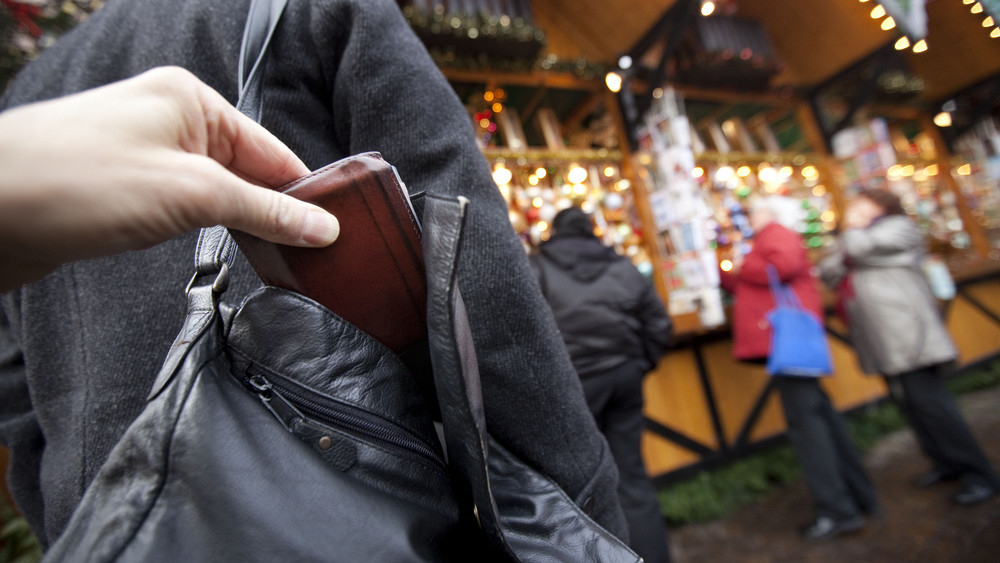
x=897 y=331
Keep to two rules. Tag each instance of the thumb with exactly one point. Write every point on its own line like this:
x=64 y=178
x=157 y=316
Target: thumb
x=279 y=218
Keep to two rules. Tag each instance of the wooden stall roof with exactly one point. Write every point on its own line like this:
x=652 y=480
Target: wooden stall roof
x=815 y=38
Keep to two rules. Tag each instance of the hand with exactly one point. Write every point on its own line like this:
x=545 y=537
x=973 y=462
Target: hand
x=133 y=164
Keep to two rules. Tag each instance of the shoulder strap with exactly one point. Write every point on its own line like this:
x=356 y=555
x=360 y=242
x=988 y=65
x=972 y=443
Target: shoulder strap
x=216 y=250
x=784 y=296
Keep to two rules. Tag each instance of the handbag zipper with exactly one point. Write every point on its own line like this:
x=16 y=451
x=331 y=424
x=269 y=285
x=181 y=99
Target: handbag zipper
x=287 y=405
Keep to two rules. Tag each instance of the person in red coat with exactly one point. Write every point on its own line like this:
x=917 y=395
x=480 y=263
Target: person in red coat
x=841 y=490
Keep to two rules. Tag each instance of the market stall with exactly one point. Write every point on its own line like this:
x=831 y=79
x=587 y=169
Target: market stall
x=665 y=118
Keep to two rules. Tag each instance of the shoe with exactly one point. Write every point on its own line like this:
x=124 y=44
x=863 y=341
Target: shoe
x=933 y=477
x=973 y=493
x=824 y=527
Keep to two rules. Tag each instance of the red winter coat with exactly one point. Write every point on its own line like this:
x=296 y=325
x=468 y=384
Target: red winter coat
x=781 y=248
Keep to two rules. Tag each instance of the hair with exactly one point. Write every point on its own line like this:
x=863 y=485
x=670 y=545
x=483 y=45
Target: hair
x=888 y=201
x=572 y=222
x=786 y=211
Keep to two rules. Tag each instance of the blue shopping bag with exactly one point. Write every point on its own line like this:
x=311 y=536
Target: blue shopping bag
x=798 y=339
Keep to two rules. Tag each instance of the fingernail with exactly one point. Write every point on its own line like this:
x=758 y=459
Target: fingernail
x=320 y=228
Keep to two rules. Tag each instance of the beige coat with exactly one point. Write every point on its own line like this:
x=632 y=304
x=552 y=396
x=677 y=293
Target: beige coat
x=895 y=322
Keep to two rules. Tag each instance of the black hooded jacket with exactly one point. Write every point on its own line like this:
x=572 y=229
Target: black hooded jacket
x=607 y=312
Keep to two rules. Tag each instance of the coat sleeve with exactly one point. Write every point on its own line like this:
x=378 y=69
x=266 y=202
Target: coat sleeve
x=892 y=235
x=388 y=95
x=19 y=428
x=657 y=327
x=832 y=268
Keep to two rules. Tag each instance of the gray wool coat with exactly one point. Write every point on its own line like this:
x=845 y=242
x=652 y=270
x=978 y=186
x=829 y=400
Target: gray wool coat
x=79 y=349
x=895 y=322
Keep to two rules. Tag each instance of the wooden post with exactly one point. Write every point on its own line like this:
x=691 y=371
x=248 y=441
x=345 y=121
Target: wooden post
x=825 y=162
x=977 y=237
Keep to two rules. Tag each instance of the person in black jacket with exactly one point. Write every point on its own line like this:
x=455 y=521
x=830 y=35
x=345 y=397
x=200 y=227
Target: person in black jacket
x=79 y=349
x=615 y=329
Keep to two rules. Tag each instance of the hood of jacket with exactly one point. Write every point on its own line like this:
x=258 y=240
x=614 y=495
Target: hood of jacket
x=583 y=258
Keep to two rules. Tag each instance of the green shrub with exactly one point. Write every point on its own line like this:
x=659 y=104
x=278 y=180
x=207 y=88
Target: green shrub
x=17 y=543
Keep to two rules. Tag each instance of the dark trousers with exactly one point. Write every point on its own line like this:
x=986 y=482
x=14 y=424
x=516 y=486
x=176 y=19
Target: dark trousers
x=615 y=399
x=939 y=426
x=838 y=483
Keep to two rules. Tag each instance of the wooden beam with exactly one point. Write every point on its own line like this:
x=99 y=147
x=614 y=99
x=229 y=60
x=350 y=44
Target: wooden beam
x=536 y=79
x=532 y=105
x=641 y=193
x=548 y=155
x=825 y=162
x=734 y=97
x=581 y=111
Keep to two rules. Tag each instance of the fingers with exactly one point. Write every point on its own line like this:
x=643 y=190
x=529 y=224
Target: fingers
x=242 y=145
x=250 y=153
x=268 y=214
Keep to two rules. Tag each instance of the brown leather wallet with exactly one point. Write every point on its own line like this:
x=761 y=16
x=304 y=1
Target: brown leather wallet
x=373 y=275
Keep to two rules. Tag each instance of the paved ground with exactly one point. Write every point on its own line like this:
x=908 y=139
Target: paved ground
x=916 y=525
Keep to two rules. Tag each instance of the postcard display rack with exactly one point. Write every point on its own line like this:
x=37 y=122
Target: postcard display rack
x=684 y=219
x=873 y=155
x=979 y=175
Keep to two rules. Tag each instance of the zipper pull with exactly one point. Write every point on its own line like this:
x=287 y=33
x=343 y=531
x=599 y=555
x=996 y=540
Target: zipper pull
x=282 y=409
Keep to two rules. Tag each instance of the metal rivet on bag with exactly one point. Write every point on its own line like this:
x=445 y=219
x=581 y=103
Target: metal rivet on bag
x=325 y=443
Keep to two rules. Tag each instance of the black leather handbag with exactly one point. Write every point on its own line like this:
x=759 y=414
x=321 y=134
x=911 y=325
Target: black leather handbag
x=279 y=432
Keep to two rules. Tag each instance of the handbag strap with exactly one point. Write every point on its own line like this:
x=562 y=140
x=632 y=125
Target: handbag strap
x=783 y=295
x=216 y=250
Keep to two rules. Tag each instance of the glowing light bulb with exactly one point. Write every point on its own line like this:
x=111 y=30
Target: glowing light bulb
x=609 y=171
x=809 y=172
x=533 y=180
x=540 y=173
x=726 y=265
x=920 y=46
x=931 y=170
x=988 y=22
x=964 y=170
x=724 y=174
x=501 y=175
x=995 y=33
x=577 y=175
x=707 y=7
x=698 y=172
x=877 y=12
x=767 y=174
x=943 y=119
x=743 y=171
x=614 y=81
x=888 y=23
x=902 y=43
x=977 y=8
